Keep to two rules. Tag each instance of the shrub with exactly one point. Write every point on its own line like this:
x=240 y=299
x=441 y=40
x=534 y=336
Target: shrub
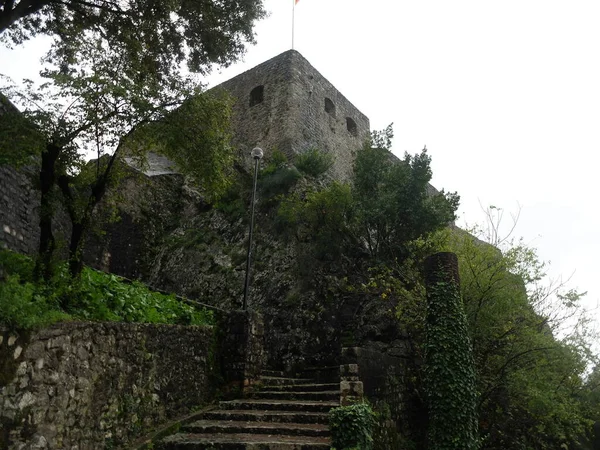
x=100 y=296
x=326 y=214
x=12 y=263
x=21 y=307
x=314 y=162
x=352 y=427
x=280 y=181
x=276 y=161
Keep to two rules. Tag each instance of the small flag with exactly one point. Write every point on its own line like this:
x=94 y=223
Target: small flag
x=293 y=20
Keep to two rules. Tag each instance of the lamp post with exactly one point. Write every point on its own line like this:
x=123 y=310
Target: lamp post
x=257 y=154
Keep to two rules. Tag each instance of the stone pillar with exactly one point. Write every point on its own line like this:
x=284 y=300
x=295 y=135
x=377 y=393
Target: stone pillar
x=351 y=388
x=242 y=348
x=449 y=366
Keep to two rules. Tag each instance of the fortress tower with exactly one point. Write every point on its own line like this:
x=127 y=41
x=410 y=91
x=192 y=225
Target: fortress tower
x=286 y=104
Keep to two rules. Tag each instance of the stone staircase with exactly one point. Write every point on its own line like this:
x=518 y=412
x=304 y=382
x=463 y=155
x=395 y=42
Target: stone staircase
x=283 y=414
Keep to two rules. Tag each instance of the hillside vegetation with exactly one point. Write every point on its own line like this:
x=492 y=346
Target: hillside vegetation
x=96 y=296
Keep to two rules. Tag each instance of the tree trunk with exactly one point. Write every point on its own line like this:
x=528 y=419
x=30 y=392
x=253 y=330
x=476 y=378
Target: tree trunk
x=43 y=267
x=11 y=14
x=81 y=227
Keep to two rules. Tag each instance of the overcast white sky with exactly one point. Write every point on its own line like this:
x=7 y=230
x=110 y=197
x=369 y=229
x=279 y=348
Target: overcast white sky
x=506 y=96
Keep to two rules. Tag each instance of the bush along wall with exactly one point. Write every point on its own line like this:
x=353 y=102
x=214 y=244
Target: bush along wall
x=449 y=365
x=352 y=427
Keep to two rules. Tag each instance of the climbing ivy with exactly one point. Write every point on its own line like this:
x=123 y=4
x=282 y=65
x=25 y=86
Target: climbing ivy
x=449 y=367
x=352 y=427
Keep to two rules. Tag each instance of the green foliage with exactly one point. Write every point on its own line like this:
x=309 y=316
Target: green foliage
x=322 y=217
x=279 y=182
x=352 y=427
x=449 y=371
x=276 y=161
x=98 y=109
x=153 y=37
x=277 y=177
x=100 y=296
x=394 y=201
x=22 y=307
x=530 y=368
x=196 y=137
x=94 y=296
x=314 y=162
x=382 y=138
x=387 y=206
x=13 y=263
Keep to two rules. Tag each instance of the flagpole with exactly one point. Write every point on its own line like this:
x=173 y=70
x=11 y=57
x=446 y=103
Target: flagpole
x=293 y=18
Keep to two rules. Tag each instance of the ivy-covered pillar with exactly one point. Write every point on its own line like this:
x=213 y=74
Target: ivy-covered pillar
x=449 y=365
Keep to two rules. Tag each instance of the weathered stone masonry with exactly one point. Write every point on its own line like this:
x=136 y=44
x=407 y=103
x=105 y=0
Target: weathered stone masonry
x=93 y=385
x=286 y=104
x=19 y=204
x=101 y=385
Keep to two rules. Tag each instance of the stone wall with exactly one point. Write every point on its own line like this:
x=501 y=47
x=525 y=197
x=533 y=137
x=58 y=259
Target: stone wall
x=99 y=385
x=242 y=353
x=296 y=109
x=386 y=383
x=19 y=204
x=150 y=207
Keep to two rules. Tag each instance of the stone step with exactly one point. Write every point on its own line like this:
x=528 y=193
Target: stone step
x=280 y=405
x=253 y=427
x=278 y=381
x=267 y=416
x=322 y=374
x=242 y=441
x=274 y=373
x=289 y=395
x=304 y=387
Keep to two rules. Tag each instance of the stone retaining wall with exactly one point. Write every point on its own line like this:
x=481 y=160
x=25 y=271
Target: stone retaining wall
x=99 y=385
x=384 y=381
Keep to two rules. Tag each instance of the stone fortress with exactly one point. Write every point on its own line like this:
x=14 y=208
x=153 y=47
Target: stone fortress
x=169 y=238
x=283 y=103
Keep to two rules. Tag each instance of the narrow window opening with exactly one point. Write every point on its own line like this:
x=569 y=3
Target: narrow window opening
x=257 y=95
x=351 y=126
x=329 y=107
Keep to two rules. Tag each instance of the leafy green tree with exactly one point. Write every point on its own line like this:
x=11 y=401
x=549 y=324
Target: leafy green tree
x=590 y=398
x=395 y=203
x=323 y=218
x=98 y=109
x=153 y=37
x=529 y=370
x=314 y=162
x=388 y=204
x=531 y=337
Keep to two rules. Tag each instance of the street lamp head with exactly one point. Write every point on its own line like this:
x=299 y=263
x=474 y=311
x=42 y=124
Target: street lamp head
x=257 y=153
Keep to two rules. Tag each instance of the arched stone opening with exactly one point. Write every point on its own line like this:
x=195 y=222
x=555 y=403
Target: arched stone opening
x=257 y=95
x=329 y=107
x=351 y=126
